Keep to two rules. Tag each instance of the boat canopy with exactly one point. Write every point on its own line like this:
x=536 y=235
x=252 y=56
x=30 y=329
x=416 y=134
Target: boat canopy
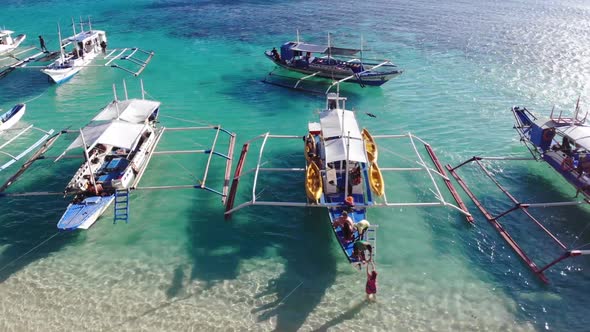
x=4 y=33
x=340 y=129
x=579 y=134
x=83 y=36
x=131 y=110
x=115 y=133
x=304 y=47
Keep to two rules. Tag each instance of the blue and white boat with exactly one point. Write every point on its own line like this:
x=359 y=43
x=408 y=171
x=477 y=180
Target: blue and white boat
x=341 y=174
x=10 y=118
x=117 y=146
x=334 y=63
x=562 y=142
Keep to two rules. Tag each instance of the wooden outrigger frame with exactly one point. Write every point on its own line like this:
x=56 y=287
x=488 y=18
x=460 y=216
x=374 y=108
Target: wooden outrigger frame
x=494 y=220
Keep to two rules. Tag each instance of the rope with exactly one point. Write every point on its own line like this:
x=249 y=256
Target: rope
x=30 y=100
x=26 y=253
x=294 y=289
x=578 y=236
x=185 y=120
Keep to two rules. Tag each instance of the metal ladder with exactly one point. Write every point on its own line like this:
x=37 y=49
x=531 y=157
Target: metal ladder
x=371 y=237
x=121 y=205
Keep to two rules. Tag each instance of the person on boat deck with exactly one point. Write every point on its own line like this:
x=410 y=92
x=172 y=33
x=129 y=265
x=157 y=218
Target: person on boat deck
x=362 y=227
x=371 y=287
x=42 y=44
x=103 y=46
x=347 y=225
x=565 y=146
x=349 y=203
x=275 y=54
x=359 y=249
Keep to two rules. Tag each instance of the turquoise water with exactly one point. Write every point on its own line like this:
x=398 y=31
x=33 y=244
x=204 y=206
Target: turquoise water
x=178 y=266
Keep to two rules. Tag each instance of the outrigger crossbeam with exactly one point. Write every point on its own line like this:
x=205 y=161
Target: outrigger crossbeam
x=210 y=152
x=433 y=174
x=494 y=220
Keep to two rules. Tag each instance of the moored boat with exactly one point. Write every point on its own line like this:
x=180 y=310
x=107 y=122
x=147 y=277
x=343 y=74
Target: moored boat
x=349 y=183
x=334 y=63
x=10 y=118
x=117 y=144
x=86 y=45
x=7 y=43
x=562 y=142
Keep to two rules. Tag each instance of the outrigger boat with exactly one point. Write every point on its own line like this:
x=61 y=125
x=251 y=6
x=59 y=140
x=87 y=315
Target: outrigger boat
x=334 y=63
x=10 y=118
x=118 y=145
x=564 y=144
x=7 y=121
x=7 y=43
x=86 y=46
x=341 y=174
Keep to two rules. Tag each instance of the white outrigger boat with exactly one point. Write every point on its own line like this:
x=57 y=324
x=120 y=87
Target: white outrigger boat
x=118 y=145
x=341 y=174
x=10 y=118
x=7 y=43
x=86 y=46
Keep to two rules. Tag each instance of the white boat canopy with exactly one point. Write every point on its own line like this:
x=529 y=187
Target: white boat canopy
x=116 y=133
x=131 y=110
x=340 y=129
x=579 y=134
x=5 y=33
x=83 y=36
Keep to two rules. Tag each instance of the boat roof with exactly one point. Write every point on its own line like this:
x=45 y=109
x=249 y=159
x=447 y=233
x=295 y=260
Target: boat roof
x=5 y=33
x=339 y=130
x=83 y=36
x=580 y=134
x=575 y=131
x=305 y=47
x=131 y=110
x=116 y=133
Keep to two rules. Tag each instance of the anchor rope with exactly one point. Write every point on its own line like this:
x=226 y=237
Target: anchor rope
x=578 y=236
x=34 y=98
x=28 y=252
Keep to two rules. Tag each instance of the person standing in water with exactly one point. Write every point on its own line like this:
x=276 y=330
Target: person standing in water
x=371 y=288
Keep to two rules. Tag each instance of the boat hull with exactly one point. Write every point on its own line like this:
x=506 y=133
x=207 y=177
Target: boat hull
x=14 y=118
x=61 y=75
x=367 y=78
x=84 y=214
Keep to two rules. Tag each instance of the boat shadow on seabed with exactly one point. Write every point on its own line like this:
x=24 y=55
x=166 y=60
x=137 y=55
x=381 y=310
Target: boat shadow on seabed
x=26 y=239
x=310 y=269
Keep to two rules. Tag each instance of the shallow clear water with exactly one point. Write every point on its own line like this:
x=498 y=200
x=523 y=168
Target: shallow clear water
x=179 y=266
